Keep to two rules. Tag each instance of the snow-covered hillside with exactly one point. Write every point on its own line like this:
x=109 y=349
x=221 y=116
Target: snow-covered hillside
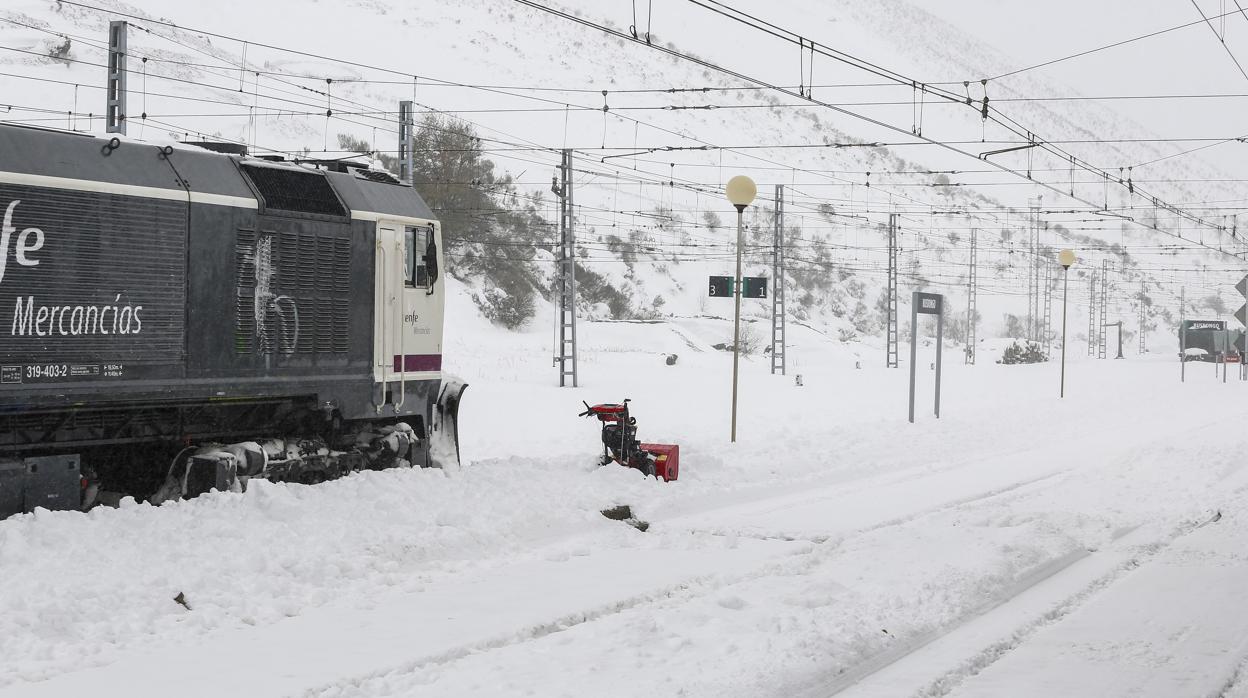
x=651 y=221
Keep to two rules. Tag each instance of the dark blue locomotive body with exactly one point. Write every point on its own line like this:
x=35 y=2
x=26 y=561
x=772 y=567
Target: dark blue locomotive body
x=158 y=299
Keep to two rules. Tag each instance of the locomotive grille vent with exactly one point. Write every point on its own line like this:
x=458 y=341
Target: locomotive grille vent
x=293 y=293
x=245 y=304
x=300 y=191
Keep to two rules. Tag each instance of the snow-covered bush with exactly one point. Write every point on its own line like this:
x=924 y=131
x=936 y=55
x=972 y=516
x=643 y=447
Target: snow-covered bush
x=751 y=341
x=1028 y=353
x=498 y=306
x=592 y=288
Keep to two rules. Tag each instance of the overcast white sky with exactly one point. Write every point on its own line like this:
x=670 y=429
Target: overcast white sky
x=1185 y=61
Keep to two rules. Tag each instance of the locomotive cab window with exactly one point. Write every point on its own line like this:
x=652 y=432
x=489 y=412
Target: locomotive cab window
x=421 y=254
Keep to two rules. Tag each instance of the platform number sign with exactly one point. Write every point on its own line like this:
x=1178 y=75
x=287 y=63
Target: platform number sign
x=929 y=303
x=751 y=287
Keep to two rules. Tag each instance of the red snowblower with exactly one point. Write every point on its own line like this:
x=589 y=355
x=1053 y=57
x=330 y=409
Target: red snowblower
x=620 y=444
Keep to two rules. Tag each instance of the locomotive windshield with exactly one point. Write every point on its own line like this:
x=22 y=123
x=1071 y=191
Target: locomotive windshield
x=420 y=252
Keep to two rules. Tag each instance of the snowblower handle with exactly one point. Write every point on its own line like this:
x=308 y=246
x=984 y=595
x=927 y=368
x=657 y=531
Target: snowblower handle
x=606 y=412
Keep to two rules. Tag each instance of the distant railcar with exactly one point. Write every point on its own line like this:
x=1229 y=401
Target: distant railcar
x=1206 y=340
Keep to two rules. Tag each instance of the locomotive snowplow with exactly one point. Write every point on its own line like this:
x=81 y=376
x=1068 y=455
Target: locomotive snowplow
x=444 y=427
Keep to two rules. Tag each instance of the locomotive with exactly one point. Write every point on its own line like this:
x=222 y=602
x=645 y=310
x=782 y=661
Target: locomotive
x=178 y=318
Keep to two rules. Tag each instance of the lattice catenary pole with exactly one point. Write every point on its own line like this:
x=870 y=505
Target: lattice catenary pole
x=115 y=96
x=1092 y=314
x=1046 y=337
x=891 y=331
x=777 y=292
x=972 y=291
x=1101 y=307
x=567 y=275
x=406 y=129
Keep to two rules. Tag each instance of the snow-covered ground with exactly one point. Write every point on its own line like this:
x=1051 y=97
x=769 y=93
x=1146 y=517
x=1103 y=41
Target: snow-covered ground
x=1020 y=545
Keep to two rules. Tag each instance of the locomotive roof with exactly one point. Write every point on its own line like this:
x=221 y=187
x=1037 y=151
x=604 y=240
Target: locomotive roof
x=361 y=194
x=81 y=157
x=83 y=161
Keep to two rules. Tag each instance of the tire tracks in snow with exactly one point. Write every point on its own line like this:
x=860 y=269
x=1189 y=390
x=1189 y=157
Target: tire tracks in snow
x=821 y=550
x=889 y=523
x=525 y=634
x=684 y=337
x=1237 y=683
x=851 y=482
x=824 y=548
x=818 y=553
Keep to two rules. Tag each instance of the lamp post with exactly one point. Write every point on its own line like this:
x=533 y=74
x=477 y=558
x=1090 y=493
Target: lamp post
x=1065 y=258
x=741 y=192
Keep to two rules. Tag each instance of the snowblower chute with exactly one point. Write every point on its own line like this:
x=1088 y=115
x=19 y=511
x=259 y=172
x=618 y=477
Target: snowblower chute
x=444 y=434
x=620 y=444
